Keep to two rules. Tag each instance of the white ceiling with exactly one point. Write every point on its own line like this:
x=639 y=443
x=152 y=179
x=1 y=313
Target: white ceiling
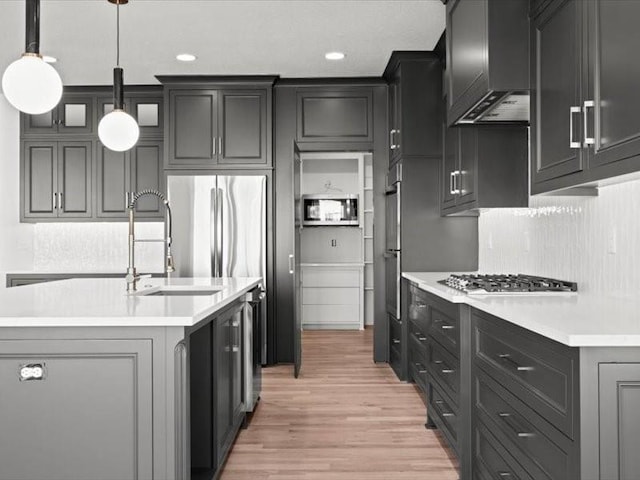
x=230 y=37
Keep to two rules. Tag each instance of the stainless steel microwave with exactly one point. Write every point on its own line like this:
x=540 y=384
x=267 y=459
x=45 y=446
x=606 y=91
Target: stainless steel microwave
x=330 y=209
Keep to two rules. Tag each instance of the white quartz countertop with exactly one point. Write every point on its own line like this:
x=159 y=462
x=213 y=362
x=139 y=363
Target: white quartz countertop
x=577 y=320
x=103 y=302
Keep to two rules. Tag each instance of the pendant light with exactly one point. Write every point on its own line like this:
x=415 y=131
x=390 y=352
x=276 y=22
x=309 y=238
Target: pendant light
x=30 y=84
x=118 y=131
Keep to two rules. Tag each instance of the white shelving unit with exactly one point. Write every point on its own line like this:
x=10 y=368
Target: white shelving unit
x=337 y=290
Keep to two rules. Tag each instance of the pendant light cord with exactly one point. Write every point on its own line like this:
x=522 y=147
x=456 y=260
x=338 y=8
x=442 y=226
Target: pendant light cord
x=118 y=34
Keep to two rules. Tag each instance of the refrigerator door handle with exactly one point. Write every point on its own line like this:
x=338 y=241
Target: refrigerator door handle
x=213 y=223
x=219 y=227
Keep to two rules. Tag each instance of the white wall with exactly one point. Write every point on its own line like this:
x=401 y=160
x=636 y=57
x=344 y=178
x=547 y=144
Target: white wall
x=16 y=239
x=59 y=247
x=594 y=241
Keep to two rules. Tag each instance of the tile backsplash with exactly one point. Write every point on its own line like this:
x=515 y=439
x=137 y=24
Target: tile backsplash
x=594 y=241
x=95 y=247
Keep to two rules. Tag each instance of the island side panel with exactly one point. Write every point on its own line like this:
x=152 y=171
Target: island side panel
x=610 y=412
x=106 y=405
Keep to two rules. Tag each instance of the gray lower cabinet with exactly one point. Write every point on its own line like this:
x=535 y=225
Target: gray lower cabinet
x=514 y=404
x=619 y=413
x=216 y=381
x=89 y=415
x=56 y=180
x=119 y=174
x=121 y=403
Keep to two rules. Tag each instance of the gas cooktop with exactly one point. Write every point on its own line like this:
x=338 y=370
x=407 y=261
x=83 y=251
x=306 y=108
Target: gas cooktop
x=476 y=284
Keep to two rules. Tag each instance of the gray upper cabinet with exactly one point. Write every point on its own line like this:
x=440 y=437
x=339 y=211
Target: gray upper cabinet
x=556 y=112
x=113 y=182
x=415 y=105
x=585 y=124
x=340 y=115
x=73 y=115
x=193 y=128
x=74 y=179
x=215 y=122
x=484 y=167
x=145 y=106
x=60 y=179
x=487 y=53
x=611 y=102
x=243 y=127
x=56 y=180
x=121 y=173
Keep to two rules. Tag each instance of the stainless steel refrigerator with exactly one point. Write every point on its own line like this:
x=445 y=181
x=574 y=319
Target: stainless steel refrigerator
x=219 y=229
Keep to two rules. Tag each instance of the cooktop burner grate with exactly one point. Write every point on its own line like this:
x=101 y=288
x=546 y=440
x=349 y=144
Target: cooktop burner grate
x=479 y=284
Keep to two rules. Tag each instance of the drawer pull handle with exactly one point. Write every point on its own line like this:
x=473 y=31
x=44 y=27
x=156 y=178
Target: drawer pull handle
x=506 y=416
x=519 y=368
x=447 y=327
x=421 y=337
x=448 y=414
x=396 y=341
x=421 y=368
x=448 y=370
x=437 y=362
x=504 y=474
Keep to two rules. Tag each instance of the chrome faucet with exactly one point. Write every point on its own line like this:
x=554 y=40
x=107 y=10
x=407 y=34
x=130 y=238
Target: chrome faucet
x=132 y=276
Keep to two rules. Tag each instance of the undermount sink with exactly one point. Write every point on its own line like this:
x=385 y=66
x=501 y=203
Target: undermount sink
x=189 y=291
x=184 y=293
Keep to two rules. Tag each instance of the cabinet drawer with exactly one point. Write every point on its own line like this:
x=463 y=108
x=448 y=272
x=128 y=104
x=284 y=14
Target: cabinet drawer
x=417 y=333
x=317 y=277
x=538 y=371
x=444 y=413
x=492 y=460
x=538 y=441
x=330 y=314
x=418 y=371
x=445 y=329
x=419 y=310
x=444 y=369
x=330 y=296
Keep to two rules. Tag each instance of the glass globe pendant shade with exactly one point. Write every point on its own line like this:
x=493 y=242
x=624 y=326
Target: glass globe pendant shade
x=118 y=131
x=32 y=85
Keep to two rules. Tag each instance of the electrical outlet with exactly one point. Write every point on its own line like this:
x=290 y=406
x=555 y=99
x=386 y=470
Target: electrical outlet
x=490 y=241
x=334 y=242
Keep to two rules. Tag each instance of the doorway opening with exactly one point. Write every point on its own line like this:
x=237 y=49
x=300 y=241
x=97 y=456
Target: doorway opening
x=335 y=225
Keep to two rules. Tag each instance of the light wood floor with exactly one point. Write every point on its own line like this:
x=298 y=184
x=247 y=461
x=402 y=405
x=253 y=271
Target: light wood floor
x=344 y=418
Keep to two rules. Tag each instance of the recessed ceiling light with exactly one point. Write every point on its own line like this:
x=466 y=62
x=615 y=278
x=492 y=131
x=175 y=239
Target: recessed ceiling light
x=334 y=56
x=49 y=59
x=186 y=57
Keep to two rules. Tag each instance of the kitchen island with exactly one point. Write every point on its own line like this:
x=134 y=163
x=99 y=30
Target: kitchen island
x=528 y=386
x=98 y=384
